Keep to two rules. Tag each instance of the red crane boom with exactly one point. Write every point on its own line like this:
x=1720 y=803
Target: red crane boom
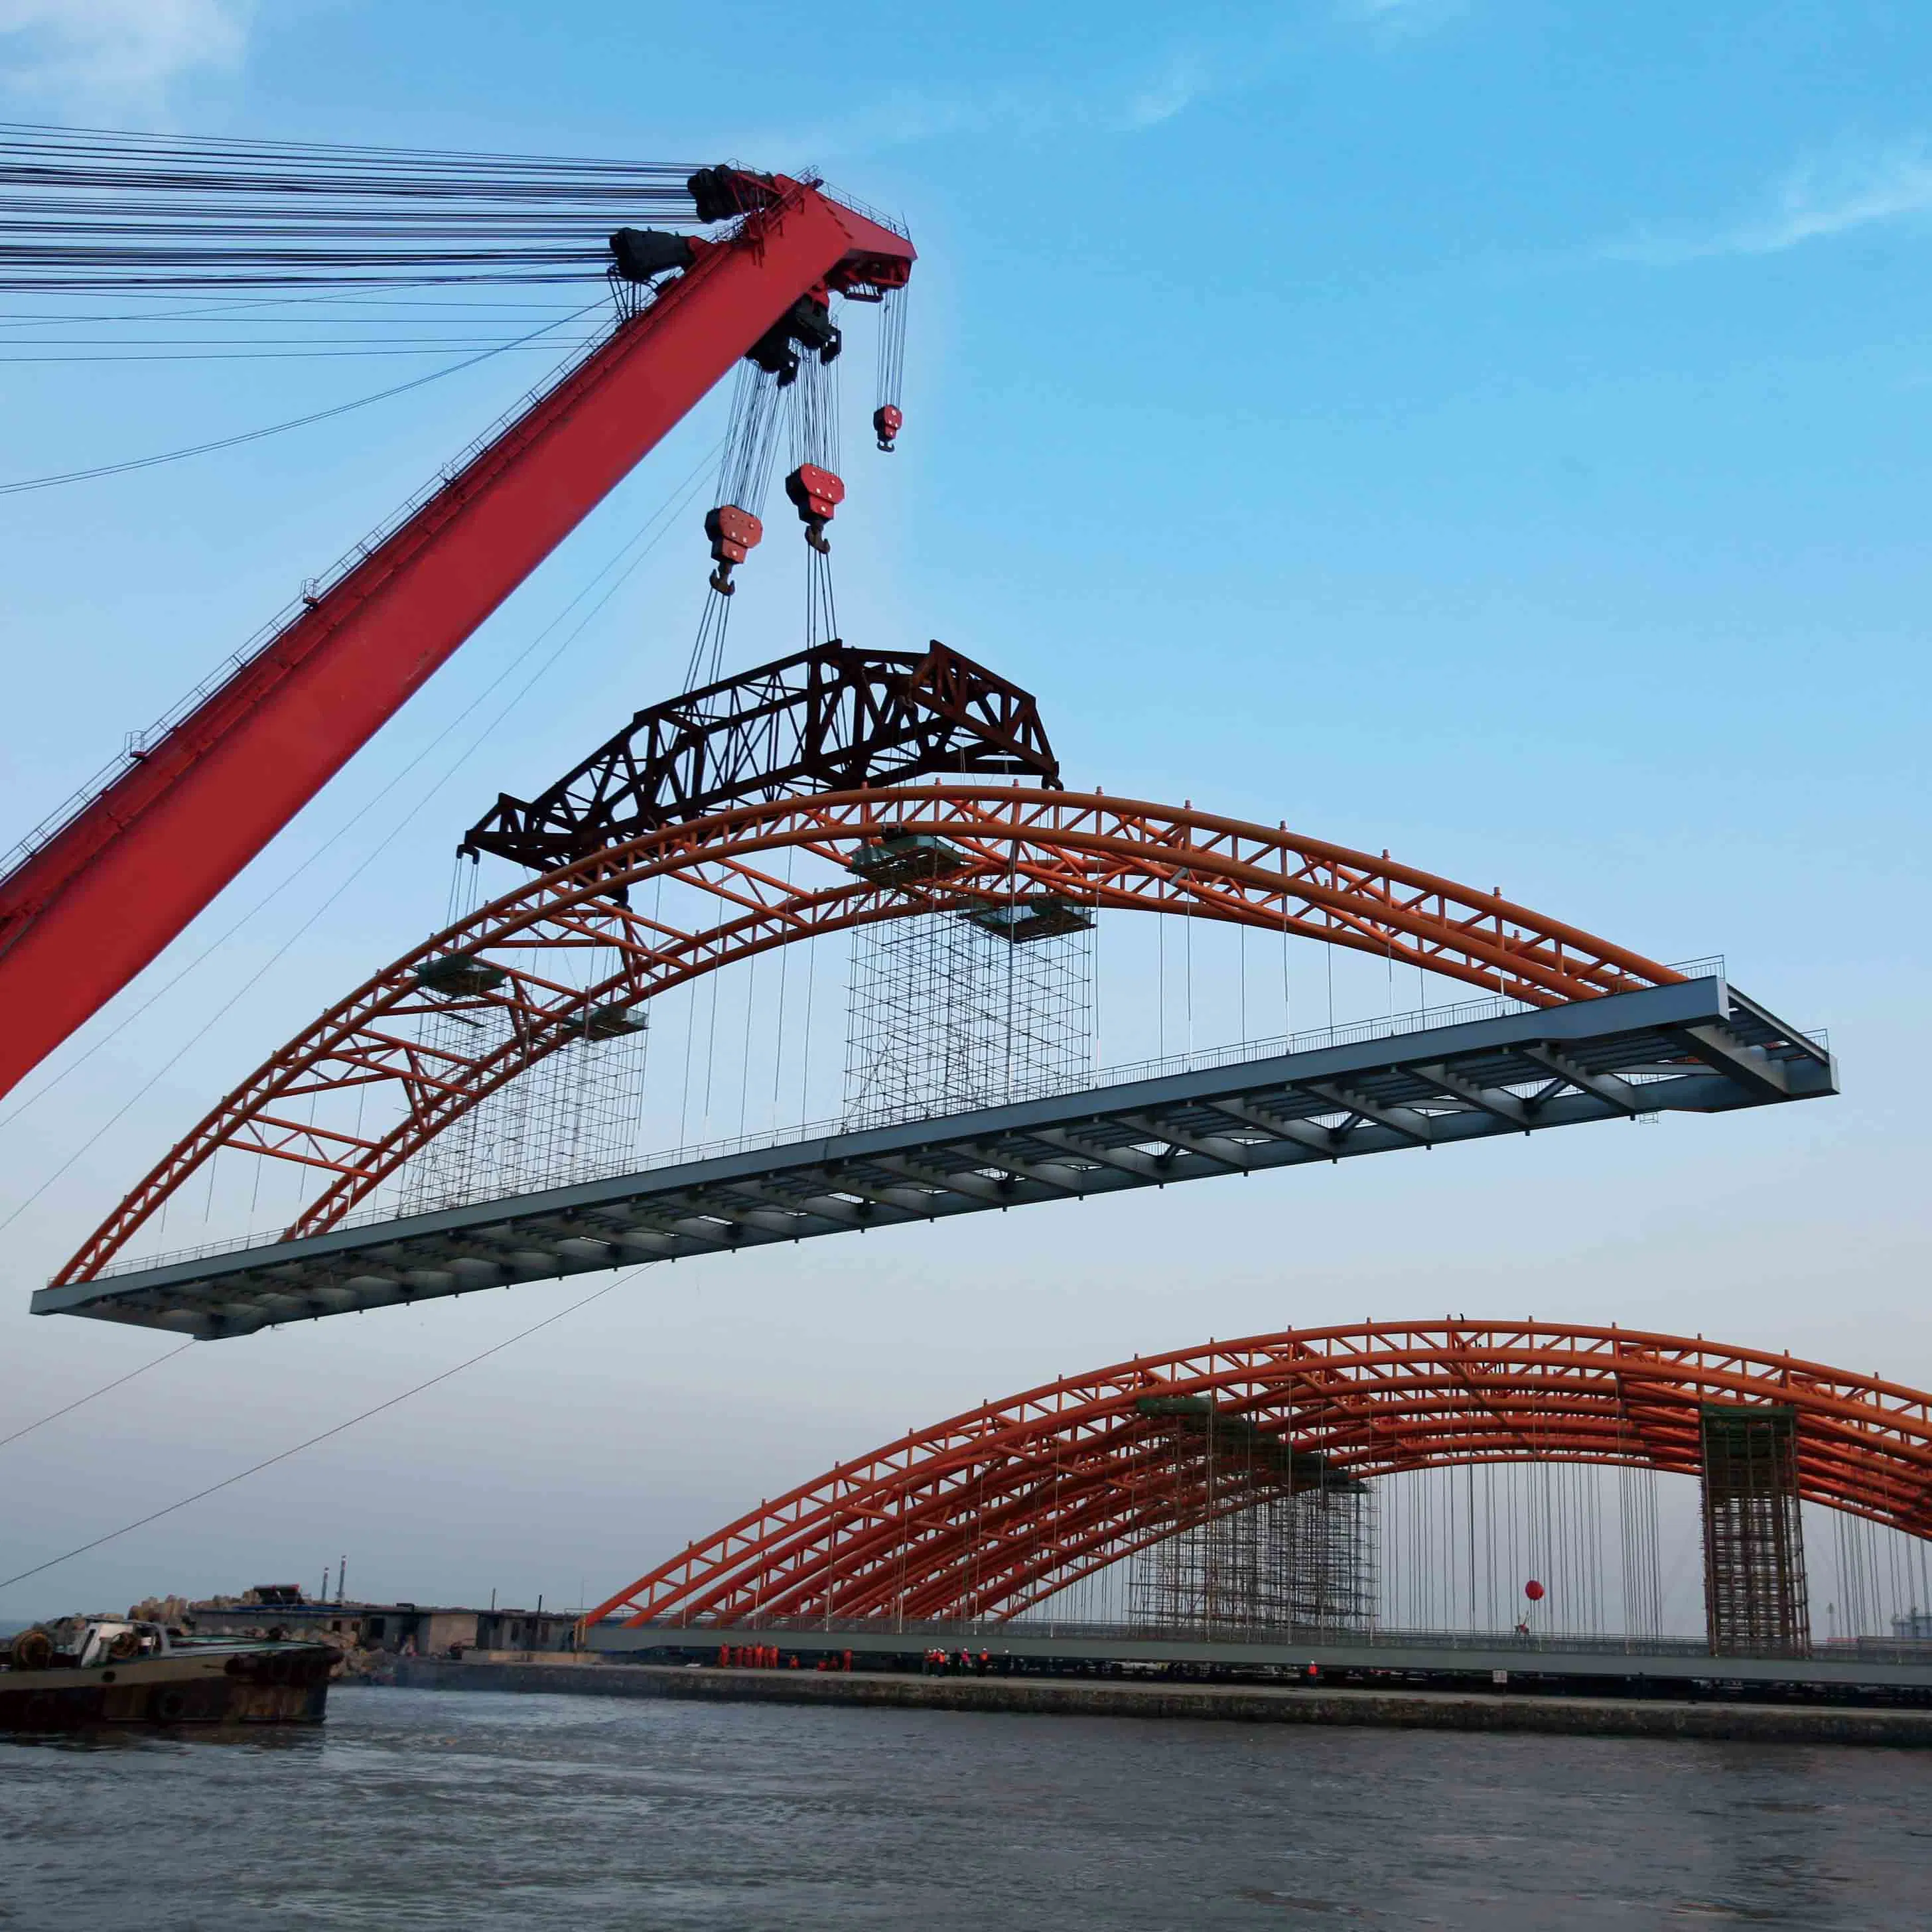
x=91 y=906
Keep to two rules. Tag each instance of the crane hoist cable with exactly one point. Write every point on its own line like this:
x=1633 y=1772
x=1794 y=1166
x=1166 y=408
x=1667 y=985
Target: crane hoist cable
x=803 y=399
x=790 y=371
x=888 y=416
x=816 y=490
x=84 y=209
x=93 y=894
x=735 y=523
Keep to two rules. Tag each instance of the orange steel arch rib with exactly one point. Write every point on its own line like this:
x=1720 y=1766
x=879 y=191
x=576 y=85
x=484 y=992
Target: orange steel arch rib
x=994 y=1511
x=1103 y=852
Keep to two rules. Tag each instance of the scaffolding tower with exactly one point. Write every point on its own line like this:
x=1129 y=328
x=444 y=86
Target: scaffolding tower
x=1249 y=1534
x=1321 y=1572
x=1755 y=1602
x=953 y=1009
x=576 y=1115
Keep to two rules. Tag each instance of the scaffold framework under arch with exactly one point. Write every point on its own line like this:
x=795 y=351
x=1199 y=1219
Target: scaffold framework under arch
x=990 y=1513
x=1099 y=852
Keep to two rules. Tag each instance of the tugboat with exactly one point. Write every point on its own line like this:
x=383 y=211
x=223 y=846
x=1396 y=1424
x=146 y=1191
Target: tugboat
x=83 y=1671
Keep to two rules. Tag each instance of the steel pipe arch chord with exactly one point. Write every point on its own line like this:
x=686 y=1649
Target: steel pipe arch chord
x=1103 y=852
x=990 y=1513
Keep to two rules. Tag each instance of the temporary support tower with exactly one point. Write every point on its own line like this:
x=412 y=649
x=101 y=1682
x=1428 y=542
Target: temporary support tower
x=1252 y=1533
x=1754 y=1595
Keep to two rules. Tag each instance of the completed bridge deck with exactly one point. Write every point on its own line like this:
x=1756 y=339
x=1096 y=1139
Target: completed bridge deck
x=1869 y=1666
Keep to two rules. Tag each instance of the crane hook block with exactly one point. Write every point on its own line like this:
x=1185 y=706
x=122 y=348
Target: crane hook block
x=734 y=534
x=812 y=326
x=806 y=324
x=640 y=254
x=888 y=419
x=816 y=494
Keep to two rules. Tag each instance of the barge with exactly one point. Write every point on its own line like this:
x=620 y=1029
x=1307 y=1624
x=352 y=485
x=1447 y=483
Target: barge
x=83 y=1672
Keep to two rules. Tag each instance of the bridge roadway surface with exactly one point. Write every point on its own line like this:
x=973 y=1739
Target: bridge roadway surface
x=1699 y=1046
x=1421 y=1652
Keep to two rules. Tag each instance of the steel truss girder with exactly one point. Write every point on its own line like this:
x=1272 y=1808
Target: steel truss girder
x=829 y=718
x=1099 y=851
x=1094 y=1142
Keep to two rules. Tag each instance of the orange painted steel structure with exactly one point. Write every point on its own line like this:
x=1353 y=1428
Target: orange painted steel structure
x=1103 y=852
x=995 y=1510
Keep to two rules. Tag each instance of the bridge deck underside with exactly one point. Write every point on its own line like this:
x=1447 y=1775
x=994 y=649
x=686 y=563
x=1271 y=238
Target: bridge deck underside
x=1699 y=1046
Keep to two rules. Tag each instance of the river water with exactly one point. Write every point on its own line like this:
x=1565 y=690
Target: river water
x=432 y=1809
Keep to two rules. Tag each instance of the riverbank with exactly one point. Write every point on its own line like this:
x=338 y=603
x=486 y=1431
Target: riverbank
x=1413 y=1710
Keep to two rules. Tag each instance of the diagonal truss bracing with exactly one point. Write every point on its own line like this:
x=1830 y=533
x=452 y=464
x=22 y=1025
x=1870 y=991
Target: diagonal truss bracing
x=825 y=719
x=1008 y=841
x=993 y=1511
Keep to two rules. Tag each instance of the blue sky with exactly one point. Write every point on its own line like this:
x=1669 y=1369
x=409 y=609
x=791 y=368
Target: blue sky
x=1494 y=431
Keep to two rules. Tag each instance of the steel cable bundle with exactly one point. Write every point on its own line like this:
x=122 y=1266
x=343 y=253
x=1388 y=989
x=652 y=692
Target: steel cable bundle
x=99 y=211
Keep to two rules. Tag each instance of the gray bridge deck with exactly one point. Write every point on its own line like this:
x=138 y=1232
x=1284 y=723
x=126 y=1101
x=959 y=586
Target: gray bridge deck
x=1871 y=1666
x=1698 y=1047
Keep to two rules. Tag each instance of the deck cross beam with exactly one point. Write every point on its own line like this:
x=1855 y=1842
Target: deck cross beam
x=927 y=1170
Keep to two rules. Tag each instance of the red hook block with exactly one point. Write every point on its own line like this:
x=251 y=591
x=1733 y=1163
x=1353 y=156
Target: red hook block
x=734 y=534
x=817 y=493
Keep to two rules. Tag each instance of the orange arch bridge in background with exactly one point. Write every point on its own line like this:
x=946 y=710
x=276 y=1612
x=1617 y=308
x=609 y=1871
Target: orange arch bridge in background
x=995 y=1510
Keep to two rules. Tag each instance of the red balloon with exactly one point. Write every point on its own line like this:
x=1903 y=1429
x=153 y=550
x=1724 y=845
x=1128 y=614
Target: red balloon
x=1533 y=1590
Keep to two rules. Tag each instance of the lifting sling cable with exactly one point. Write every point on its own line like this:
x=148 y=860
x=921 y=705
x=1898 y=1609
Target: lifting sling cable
x=792 y=368
x=889 y=414
x=816 y=490
x=734 y=524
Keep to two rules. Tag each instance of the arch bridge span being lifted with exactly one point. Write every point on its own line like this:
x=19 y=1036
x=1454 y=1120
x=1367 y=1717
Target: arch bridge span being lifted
x=994 y=1512
x=1578 y=1028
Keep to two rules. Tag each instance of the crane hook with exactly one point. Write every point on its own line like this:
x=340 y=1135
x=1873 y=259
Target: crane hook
x=733 y=534
x=816 y=494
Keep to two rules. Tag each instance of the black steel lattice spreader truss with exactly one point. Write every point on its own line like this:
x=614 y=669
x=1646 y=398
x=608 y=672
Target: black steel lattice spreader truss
x=1698 y=1046
x=827 y=719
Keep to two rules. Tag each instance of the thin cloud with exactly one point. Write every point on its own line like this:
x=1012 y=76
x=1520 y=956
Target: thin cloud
x=1186 y=78
x=904 y=119
x=1127 y=102
x=90 y=55
x=1822 y=197
x=1394 y=17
